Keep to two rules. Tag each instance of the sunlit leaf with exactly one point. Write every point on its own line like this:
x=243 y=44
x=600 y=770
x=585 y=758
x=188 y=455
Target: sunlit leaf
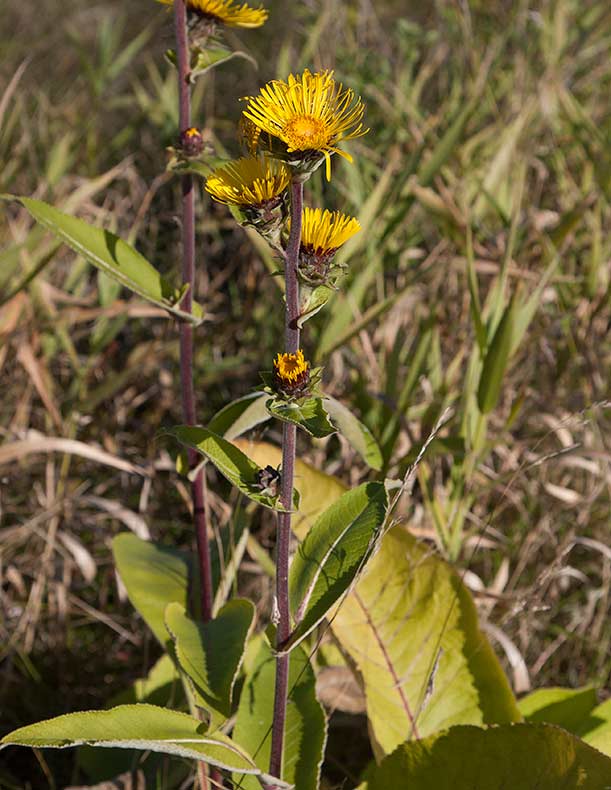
x=154 y=576
x=332 y=553
x=411 y=628
x=231 y=462
x=518 y=756
x=352 y=429
x=211 y=653
x=308 y=413
x=240 y=416
x=111 y=255
x=305 y=728
x=160 y=687
x=144 y=727
x=595 y=729
x=565 y=707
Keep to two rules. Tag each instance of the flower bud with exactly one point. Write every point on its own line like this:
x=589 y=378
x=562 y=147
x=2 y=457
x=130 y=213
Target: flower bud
x=191 y=142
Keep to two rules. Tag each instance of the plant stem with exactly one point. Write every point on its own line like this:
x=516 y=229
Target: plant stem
x=198 y=486
x=289 y=441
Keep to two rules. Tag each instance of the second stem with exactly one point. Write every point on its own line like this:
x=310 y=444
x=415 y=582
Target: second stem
x=289 y=442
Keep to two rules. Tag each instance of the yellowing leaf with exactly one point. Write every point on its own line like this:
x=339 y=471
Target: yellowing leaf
x=411 y=627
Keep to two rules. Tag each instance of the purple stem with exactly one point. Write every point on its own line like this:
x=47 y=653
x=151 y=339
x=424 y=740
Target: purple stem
x=198 y=486
x=289 y=441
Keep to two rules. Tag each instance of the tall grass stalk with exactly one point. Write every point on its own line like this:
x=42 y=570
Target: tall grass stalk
x=289 y=442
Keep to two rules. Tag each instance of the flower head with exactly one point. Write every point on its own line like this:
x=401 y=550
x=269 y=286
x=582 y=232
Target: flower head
x=249 y=181
x=322 y=234
x=291 y=374
x=309 y=114
x=226 y=12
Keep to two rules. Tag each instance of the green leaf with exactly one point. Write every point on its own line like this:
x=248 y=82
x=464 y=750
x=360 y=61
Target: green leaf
x=496 y=360
x=202 y=60
x=565 y=707
x=358 y=435
x=595 y=729
x=307 y=413
x=317 y=489
x=305 y=728
x=231 y=462
x=411 y=628
x=311 y=300
x=334 y=551
x=160 y=687
x=211 y=653
x=240 y=416
x=154 y=576
x=518 y=756
x=111 y=255
x=145 y=727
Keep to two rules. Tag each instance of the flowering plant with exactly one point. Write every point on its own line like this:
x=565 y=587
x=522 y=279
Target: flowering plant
x=243 y=703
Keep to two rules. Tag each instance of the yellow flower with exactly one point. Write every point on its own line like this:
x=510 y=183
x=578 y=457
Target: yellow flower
x=249 y=181
x=291 y=374
x=323 y=232
x=310 y=113
x=227 y=12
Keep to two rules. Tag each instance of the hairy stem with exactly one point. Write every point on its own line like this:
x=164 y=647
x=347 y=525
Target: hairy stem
x=289 y=440
x=198 y=486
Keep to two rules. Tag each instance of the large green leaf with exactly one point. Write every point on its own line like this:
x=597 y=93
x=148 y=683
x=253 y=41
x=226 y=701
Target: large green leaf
x=145 y=727
x=110 y=254
x=240 y=416
x=565 y=707
x=317 y=489
x=305 y=728
x=160 y=687
x=308 y=414
x=333 y=552
x=211 y=653
x=595 y=729
x=355 y=432
x=510 y=757
x=231 y=462
x=410 y=626
x=154 y=576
